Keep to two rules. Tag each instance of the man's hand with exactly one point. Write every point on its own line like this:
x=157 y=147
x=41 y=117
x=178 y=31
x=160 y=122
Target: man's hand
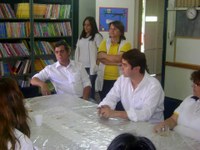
x=105 y=111
x=45 y=90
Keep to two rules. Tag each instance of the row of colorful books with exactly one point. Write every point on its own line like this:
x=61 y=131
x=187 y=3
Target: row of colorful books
x=21 y=67
x=47 y=29
x=22 y=29
x=43 y=47
x=14 y=29
x=6 y=11
x=56 y=11
x=13 y=49
x=22 y=10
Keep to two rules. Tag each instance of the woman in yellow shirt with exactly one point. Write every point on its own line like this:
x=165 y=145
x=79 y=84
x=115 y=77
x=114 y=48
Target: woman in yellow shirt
x=109 y=56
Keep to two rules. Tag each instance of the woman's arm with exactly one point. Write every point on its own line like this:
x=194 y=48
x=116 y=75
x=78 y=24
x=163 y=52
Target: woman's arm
x=170 y=122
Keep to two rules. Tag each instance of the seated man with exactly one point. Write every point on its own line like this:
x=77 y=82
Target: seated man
x=186 y=118
x=66 y=75
x=140 y=94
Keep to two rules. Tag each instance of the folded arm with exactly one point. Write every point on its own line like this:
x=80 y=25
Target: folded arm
x=108 y=59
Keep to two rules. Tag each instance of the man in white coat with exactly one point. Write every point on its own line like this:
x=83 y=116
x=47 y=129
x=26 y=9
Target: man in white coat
x=140 y=94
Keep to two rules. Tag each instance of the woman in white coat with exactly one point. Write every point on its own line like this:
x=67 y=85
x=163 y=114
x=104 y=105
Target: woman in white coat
x=87 y=48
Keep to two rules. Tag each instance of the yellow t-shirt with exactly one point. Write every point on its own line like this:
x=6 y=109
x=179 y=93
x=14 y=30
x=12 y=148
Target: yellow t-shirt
x=111 y=72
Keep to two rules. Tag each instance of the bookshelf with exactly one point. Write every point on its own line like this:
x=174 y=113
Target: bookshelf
x=28 y=31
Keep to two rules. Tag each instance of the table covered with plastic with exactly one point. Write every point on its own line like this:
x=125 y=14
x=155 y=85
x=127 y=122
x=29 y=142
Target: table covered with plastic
x=70 y=123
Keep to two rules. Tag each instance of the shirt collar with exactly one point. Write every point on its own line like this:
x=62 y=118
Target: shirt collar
x=59 y=65
x=195 y=98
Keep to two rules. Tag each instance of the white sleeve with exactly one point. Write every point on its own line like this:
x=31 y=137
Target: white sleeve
x=26 y=144
x=152 y=100
x=98 y=39
x=43 y=75
x=182 y=105
x=84 y=76
x=113 y=97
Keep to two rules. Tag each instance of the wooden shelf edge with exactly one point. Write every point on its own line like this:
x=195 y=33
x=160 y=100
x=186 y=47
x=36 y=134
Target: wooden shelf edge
x=183 y=65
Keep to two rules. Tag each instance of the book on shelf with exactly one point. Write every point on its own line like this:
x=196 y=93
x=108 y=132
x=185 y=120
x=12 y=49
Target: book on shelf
x=14 y=49
x=27 y=66
x=43 y=11
x=6 y=11
x=23 y=10
x=58 y=11
x=24 y=83
x=1 y=69
x=40 y=64
x=16 y=66
x=69 y=29
x=5 y=69
x=3 y=33
x=39 y=10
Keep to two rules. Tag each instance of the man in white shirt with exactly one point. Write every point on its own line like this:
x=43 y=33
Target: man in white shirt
x=140 y=94
x=66 y=75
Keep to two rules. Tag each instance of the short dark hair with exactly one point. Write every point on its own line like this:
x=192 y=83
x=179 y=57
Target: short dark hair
x=64 y=43
x=119 y=25
x=195 y=77
x=136 y=58
x=127 y=141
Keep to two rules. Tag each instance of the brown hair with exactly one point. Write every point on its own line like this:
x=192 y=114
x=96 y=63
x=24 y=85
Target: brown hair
x=136 y=58
x=195 y=77
x=119 y=25
x=63 y=43
x=13 y=114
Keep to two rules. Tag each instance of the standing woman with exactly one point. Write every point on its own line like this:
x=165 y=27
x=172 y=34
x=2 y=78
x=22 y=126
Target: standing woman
x=14 y=129
x=109 y=56
x=87 y=48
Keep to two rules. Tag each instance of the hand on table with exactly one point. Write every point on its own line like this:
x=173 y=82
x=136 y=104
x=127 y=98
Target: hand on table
x=105 y=111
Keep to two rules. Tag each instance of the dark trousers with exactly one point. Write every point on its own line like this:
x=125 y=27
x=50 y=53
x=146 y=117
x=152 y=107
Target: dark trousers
x=92 y=80
x=107 y=85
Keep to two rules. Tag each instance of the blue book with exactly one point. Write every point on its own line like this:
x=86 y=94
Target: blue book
x=3 y=30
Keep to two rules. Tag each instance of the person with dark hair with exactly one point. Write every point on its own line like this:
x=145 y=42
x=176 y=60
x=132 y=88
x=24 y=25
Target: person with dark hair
x=140 y=94
x=14 y=129
x=66 y=75
x=186 y=118
x=127 y=141
x=86 y=49
x=109 y=56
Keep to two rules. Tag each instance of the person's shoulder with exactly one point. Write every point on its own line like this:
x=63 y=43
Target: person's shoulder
x=152 y=79
x=188 y=99
x=25 y=142
x=55 y=64
x=75 y=63
x=98 y=35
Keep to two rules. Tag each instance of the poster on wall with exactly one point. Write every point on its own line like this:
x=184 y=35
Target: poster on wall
x=109 y=14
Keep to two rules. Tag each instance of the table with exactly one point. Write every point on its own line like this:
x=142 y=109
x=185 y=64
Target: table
x=72 y=123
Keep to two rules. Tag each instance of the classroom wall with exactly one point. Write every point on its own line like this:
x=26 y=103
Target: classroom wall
x=182 y=53
x=86 y=8
x=130 y=4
